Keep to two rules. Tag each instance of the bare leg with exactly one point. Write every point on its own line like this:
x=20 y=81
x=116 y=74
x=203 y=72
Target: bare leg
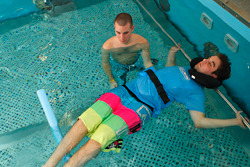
x=87 y=152
x=69 y=141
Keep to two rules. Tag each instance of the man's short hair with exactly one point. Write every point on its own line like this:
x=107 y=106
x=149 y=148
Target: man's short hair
x=123 y=18
x=224 y=70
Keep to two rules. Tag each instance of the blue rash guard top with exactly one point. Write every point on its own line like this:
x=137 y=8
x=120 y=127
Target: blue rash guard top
x=178 y=85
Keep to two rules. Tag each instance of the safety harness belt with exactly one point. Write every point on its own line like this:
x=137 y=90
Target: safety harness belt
x=133 y=95
x=158 y=86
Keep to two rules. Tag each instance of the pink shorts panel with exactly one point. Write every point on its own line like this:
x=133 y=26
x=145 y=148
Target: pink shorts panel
x=128 y=115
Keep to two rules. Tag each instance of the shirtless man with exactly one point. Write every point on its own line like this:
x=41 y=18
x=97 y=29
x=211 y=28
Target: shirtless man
x=124 y=47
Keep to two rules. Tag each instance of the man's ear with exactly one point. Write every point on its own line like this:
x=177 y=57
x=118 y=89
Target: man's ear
x=133 y=26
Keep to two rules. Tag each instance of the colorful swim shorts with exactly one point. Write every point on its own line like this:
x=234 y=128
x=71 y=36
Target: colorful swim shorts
x=113 y=116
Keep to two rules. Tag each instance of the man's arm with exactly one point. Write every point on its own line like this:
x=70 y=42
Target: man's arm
x=146 y=55
x=200 y=121
x=171 y=55
x=107 y=67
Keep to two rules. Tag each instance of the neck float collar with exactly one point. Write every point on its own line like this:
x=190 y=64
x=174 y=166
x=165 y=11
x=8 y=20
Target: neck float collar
x=202 y=79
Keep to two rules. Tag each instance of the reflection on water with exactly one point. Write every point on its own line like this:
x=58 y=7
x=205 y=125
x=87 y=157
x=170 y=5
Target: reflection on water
x=69 y=118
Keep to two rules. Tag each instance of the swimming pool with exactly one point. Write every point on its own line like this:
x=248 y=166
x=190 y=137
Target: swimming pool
x=62 y=56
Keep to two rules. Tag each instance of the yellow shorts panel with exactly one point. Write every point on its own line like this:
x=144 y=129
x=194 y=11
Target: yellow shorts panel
x=91 y=119
x=104 y=135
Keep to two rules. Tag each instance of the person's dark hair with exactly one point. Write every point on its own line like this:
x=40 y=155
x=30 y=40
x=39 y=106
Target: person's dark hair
x=123 y=18
x=224 y=70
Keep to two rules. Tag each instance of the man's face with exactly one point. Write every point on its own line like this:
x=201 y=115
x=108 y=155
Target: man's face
x=123 y=33
x=208 y=66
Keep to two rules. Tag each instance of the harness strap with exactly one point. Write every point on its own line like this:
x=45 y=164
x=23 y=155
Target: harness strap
x=158 y=86
x=133 y=95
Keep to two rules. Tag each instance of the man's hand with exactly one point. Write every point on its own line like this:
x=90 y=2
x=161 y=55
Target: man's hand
x=241 y=123
x=171 y=55
x=175 y=49
x=113 y=84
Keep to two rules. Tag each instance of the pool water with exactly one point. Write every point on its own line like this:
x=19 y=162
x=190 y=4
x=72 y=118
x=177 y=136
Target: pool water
x=62 y=56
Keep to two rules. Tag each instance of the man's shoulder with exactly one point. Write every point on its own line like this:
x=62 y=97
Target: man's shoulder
x=109 y=44
x=139 y=39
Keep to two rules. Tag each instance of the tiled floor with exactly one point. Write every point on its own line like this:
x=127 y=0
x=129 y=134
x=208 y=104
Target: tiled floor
x=238 y=8
x=243 y=5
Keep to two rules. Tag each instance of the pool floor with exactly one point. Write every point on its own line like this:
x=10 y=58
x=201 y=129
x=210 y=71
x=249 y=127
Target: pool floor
x=62 y=56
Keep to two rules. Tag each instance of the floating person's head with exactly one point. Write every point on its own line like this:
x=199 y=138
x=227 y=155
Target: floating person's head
x=217 y=66
x=224 y=70
x=210 y=72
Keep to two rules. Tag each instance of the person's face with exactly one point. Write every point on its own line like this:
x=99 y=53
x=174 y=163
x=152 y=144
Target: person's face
x=208 y=66
x=123 y=33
